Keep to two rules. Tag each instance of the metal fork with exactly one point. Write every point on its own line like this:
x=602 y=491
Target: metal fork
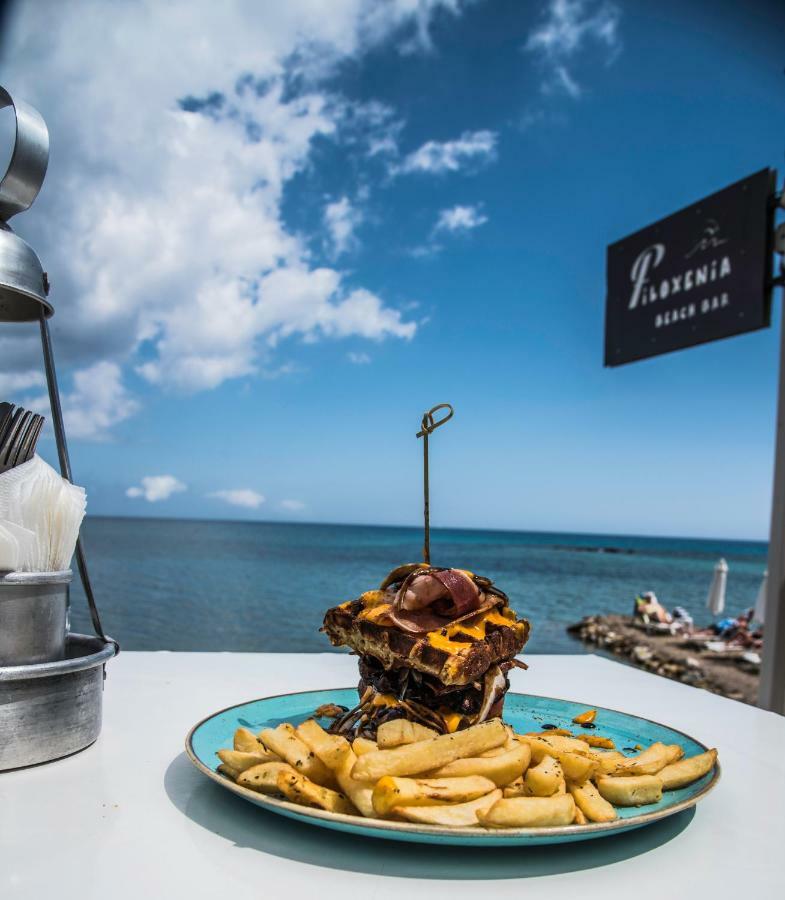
x=29 y=440
x=5 y=413
x=19 y=439
x=9 y=430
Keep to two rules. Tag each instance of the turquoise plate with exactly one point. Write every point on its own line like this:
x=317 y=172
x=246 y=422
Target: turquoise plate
x=524 y=712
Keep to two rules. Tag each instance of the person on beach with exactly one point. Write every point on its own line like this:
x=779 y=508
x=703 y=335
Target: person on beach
x=649 y=609
x=682 y=620
x=735 y=632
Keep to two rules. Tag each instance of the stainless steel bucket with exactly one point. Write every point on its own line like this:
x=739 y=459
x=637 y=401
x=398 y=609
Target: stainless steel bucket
x=53 y=709
x=33 y=617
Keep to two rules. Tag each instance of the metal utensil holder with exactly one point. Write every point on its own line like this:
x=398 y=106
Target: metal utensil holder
x=24 y=291
x=34 y=608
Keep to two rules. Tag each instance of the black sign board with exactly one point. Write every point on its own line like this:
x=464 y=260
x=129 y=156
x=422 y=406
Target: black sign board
x=698 y=275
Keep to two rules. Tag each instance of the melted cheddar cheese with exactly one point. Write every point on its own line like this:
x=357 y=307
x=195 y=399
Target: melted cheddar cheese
x=384 y=700
x=376 y=614
x=474 y=629
x=373 y=598
x=451 y=719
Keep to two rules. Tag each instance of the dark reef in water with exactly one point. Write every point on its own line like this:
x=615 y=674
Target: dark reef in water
x=624 y=550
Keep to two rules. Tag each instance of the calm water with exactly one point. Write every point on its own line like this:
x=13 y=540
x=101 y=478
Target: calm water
x=191 y=585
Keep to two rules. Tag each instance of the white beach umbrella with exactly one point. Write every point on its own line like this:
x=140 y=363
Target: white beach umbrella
x=716 y=599
x=760 y=602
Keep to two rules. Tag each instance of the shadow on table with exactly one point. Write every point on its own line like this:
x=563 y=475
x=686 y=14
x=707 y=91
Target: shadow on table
x=249 y=826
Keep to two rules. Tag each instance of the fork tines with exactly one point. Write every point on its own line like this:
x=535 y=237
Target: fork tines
x=19 y=432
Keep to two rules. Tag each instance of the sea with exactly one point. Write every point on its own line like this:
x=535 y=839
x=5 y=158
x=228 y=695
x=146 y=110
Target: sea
x=177 y=584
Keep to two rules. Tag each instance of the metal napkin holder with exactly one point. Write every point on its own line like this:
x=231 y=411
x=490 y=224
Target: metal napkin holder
x=24 y=292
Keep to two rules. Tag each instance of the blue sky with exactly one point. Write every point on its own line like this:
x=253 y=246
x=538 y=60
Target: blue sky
x=273 y=248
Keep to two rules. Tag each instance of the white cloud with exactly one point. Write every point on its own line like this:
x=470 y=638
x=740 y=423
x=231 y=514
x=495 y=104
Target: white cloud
x=568 y=27
x=244 y=497
x=454 y=220
x=438 y=157
x=425 y=251
x=382 y=13
x=460 y=218
x=161 y=223
x=292 y=505
x=19 y=381
x=97 y=402
x=157 y=487
x=359 y=359
x=342 y=219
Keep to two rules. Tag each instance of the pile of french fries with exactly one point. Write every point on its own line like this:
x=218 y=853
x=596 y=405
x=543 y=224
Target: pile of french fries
x=486 y=775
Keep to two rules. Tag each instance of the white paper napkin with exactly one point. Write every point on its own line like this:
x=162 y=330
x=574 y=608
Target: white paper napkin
x=35 y=500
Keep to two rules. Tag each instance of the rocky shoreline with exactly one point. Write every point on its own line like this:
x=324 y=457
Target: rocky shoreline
x=672 y=656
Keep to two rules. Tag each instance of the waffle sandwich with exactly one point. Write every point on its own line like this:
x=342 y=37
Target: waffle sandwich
x=435 y=646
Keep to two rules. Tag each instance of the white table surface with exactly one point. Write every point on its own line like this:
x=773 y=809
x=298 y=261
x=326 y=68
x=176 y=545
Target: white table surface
x=131 y=818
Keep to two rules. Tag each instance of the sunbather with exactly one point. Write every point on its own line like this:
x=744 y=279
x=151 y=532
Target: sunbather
x=682 y=620
x=649 y=609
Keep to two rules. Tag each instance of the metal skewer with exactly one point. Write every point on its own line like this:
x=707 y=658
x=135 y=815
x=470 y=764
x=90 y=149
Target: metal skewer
x=429 y=425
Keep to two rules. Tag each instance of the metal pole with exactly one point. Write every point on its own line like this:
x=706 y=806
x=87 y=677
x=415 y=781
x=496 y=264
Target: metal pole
x=771 y=691
x=65 y=469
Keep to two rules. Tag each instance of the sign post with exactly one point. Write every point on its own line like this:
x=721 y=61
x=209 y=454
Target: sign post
x=771 y=693
x=702 y=274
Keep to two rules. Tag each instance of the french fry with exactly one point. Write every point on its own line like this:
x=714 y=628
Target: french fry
x=591 y=803
x=675 y=752
x=246 y=742
x=423 y=756
x=585 y=718
x=495 y=751
x=359 y=792
x=329 y=748
x=685 y=771
x=240 y=761
x=391 y=792
x=597 y=740
x=228 y=771
x=630 y=790
x=648 y=762
x=284 y=741
x=517 y=788
x=500 y=769
x=543 y=779
x=302 y=790
x=484 y=775
x=550 y=732
x=264 y=777
x=577 y=768
x=396 y=732
x=529 y=812
x=451 y=815
x=607 y=761
x=575 y=757
x=550 y=744
x=362 y=745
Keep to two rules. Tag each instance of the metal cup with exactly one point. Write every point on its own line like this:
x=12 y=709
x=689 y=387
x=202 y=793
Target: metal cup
x=34 y=613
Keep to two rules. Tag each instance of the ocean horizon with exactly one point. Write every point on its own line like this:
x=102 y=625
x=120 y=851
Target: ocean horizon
x=210 y=584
